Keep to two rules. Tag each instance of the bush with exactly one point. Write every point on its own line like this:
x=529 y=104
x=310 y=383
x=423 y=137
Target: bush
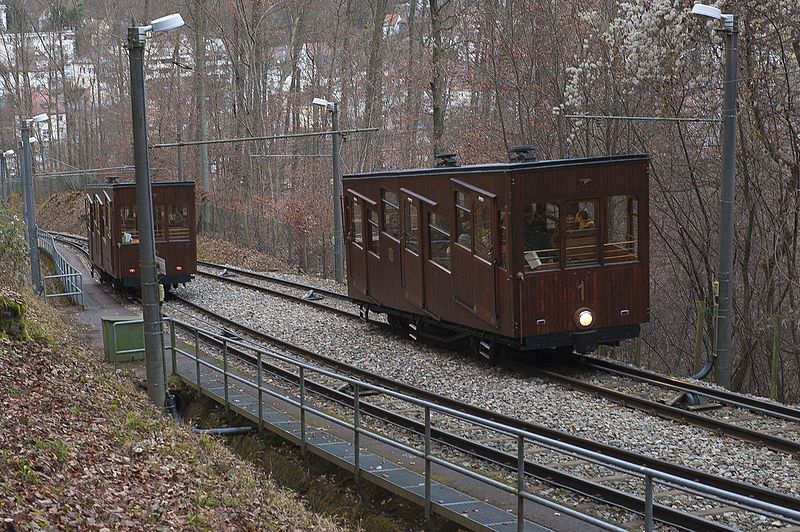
x=13 y=251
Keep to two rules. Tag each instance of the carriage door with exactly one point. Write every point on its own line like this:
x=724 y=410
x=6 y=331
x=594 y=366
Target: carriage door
x=105 y=237
x=474 y=255
x=356 y=250
x=411 y=244
x=90 y=223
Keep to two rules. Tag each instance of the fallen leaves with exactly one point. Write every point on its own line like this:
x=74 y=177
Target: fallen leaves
x=81 y=447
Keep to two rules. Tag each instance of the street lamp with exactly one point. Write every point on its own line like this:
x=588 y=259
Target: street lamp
x=338 y=237
x=151 y=311
x=27 y=190
x=4 y=175
x=730 y=31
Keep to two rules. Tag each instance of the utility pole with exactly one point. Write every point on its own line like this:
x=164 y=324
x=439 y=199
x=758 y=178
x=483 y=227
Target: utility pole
x=30 y=205
x=4 y=179
x=727 y=227
x=180 y=156
x=728 y=202
x=338 y=244
x=151 y=311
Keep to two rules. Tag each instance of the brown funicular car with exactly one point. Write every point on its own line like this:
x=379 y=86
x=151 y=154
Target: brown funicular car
x=528 y=255
x=111 y=219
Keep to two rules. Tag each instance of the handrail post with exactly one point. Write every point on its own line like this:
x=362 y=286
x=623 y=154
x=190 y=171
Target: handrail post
x=197 y=360
x=259 y=381
x=172 y=338
x=164 y=362
x=225 y=377
x=648 y=503
x=356 y=439
x=303 y=412
x=427 y=463
x=520 y=482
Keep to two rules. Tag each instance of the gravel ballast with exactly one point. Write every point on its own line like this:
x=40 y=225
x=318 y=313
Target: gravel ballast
x=459 y=376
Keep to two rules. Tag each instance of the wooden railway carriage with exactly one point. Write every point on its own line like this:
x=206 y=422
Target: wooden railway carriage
x=531 y=255
x=114 y=234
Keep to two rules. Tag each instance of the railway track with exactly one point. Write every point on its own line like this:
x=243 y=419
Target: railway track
x=551 y=474
x=732 y=427
x=783 y=438
x=548 y=473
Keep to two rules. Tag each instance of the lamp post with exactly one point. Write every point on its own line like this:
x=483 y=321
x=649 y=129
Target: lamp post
x=4 y=175
x=338 y=236
x=730 y=31
x=30 y=206
x=151 y=311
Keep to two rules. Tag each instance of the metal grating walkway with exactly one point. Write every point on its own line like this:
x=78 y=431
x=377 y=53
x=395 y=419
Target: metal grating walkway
x=281 y=419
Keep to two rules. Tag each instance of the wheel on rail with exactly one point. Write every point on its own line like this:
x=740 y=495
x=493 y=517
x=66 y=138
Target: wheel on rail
x=486 y=349
x=398 y=324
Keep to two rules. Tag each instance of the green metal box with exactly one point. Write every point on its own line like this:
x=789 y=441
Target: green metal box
x=123 y=343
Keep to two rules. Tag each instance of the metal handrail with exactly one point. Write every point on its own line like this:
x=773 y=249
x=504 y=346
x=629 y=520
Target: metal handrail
x=70 y=279
x=649 y=475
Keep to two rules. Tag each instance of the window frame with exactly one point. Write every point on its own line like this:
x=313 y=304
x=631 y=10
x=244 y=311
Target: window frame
x=598 y=255
x=458 y=215
x=373 y=234
x=395 y=207
x=630 y=222
x=183 y=236
x=560 y=231
x=356 y=228
x=448 y=250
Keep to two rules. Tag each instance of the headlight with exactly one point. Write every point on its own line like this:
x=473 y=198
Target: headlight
x=585 y=318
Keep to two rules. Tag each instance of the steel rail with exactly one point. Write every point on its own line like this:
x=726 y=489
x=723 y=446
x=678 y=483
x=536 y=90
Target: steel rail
x=721 y=396
x=278 y=293
x=727 y=484
x=773 y=442
x=666 y=411
x=271 y=279
x=571 y=482
x=547 y=474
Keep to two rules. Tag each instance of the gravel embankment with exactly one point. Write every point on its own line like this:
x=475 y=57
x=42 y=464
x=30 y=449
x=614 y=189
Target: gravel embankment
x=459 y=376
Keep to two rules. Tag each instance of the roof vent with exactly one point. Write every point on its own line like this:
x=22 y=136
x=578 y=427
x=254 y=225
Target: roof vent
x=522 y=154
x=112 y=179
x=445 y=159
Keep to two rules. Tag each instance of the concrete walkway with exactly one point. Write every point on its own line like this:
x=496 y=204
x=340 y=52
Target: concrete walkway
x=99 y=300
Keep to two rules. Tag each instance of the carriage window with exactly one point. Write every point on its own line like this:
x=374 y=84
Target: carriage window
x=358 y=235
x=373 y=234
x=622 y=242
x=130 y=232
x=581 y=236
x=178 y=222
x=463 y=221
x=540 y=234
x=98 y=218
x=107 y=221
x=158 y=222
x=411 y=231
x=482 y=223
x=391 y=213
x=439 y=239
x=501 y=226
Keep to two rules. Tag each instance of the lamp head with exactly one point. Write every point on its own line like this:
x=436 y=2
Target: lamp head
x=322 y=102
x=702 y=10
x=38 y=118
x=168 y=23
